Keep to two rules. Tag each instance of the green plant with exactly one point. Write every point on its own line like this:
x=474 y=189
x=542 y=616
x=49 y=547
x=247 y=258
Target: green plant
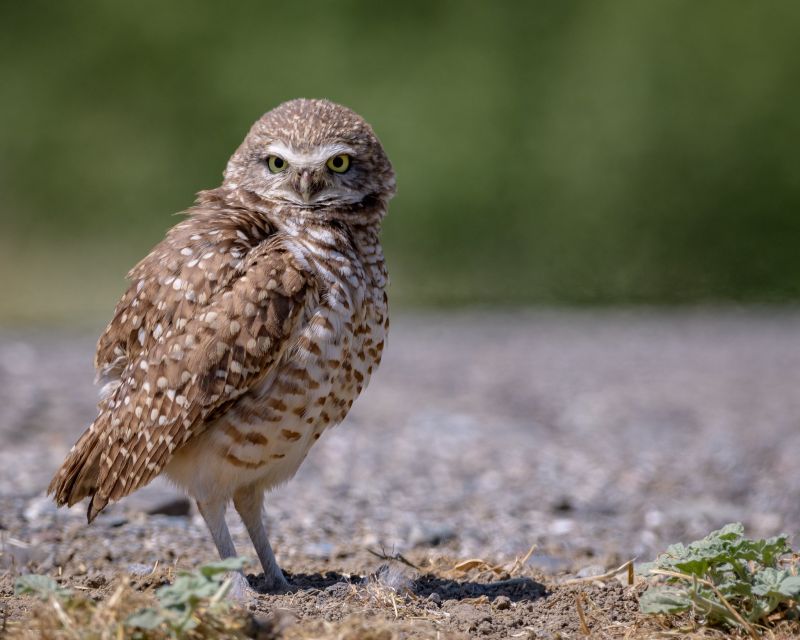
x=42 y=587
x=727 y=579
x=192 y=607
x=190 y=595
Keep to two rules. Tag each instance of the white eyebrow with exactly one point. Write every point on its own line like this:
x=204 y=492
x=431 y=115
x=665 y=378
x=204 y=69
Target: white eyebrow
x=302 y=159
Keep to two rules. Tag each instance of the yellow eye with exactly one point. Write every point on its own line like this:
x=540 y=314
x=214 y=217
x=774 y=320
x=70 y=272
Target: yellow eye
x=339 y=164
x=276 y=164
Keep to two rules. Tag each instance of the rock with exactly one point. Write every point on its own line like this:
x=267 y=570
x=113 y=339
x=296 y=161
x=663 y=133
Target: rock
x=435 y=598
x=138 y=569
x=318 y=549
x=653 y=518
x=591 y=570
x=158 y=498
x=547 y=563
x=562 y=505
x=43 y=506
x=179 y=507
x=113 y=520
x=561 y=526
x=502 y=603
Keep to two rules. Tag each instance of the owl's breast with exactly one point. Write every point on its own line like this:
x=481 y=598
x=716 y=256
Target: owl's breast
x=264 y=437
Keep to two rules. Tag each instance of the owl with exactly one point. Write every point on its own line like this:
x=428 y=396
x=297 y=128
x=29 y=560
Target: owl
x=249 y=330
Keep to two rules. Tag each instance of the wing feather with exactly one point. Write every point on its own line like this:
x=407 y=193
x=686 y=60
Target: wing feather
x=186 y=358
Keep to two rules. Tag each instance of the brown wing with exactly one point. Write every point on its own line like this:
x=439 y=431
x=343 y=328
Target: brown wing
x=212 y=352
x=197 y=259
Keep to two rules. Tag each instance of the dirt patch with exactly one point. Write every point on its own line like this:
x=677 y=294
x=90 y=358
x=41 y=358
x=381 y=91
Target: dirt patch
x=393 y=601
x=598 y=437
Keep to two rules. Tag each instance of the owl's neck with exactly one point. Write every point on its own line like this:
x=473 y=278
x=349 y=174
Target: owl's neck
x=367 y=213
x=355 y=233
x=359 y=223
x=363 y=241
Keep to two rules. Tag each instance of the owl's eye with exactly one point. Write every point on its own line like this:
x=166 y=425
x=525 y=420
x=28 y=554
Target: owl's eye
x=276 y=164
x=339 y=164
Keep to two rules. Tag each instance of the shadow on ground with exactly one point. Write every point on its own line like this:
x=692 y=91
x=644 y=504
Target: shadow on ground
x=515 y=589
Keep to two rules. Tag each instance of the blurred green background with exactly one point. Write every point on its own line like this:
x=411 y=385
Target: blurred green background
x=547 y=152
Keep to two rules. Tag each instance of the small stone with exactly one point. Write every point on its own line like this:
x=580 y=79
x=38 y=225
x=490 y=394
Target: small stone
x=138 y=569
x=548 y=564
x=115 y=521
x=562 y=505
x=502 y=603
x=561 y=526
x=177 y=507
x=435 y=598
x=158 y=498
x=319 y=549
x=43 y=506
x=591 y=571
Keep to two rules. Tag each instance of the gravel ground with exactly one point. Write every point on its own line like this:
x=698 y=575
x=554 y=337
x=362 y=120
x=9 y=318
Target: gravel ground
x=597 y=436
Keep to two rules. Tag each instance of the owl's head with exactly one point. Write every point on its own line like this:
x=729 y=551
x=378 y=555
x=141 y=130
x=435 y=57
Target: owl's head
x=313 y=155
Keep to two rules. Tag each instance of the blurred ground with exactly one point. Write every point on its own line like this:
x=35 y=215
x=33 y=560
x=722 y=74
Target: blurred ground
x=598 y=436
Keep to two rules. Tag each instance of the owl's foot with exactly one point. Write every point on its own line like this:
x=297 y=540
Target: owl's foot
x=275 y=583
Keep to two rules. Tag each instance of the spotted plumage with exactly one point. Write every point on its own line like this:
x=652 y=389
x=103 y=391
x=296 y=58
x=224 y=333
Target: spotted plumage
x=250 y=329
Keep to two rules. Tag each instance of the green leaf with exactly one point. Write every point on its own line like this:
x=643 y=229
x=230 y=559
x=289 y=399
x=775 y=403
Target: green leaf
x=148 y=619
x=40 y=586
x=667 y=600
x=776 y=583
x=767 y=580
x=731 y=531
x=216 y=568
x=696 y=567
x=790 y=587
x=735 y=588
x=187 y=589
x=746 y=572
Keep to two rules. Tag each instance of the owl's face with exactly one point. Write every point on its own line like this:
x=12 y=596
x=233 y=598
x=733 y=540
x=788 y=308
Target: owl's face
x=328 y=174
x=313 y=155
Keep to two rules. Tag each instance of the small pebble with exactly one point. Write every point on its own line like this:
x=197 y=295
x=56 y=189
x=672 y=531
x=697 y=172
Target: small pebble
x=138 y=569
x=591 y=571
x=502 y=602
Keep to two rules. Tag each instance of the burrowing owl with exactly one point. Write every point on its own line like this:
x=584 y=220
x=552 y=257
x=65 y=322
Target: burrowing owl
x=249 y=330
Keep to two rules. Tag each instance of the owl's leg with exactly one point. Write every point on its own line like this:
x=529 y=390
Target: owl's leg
x=249 y=503
x=213 y=512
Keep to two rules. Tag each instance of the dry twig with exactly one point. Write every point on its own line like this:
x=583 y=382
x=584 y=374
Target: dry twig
x=397 y=557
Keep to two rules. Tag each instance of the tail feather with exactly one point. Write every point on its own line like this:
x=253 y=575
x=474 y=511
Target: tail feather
x=78 y=477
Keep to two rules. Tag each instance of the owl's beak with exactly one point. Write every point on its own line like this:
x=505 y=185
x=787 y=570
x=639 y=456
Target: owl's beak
x=308 y=185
